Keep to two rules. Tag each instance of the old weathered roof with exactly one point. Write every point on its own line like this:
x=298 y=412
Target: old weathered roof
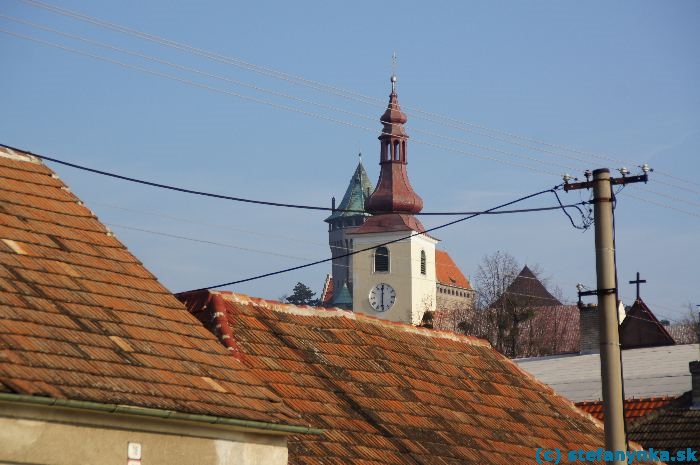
x=388 y=393
x=551 y=330
x=648 y=372
x=358 y=190
x=672 y=428
x=82 y=319
x=526 y=290
x=447 y=272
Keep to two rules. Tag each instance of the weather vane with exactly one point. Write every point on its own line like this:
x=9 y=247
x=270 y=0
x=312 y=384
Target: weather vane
x=393 y=72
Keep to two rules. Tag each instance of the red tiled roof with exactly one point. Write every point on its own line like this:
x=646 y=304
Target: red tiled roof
x=447 y=272
x=551 y=331
x=82 y=319
x=387 y=393
x=634 y=408
x=327 y=292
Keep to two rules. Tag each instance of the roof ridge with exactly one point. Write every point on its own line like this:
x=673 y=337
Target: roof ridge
x=330 y=312
x=16 y=154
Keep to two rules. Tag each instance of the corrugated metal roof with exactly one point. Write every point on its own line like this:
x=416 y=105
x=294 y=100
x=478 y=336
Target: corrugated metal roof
x=648 y=372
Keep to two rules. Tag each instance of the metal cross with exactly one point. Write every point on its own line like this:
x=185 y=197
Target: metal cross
x=638 y=282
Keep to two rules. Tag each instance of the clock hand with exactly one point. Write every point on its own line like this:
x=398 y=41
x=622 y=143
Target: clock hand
x=382 y=291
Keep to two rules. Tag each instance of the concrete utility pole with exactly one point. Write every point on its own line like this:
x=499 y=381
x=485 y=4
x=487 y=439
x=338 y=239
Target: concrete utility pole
x=610 y=365
x=610 y=369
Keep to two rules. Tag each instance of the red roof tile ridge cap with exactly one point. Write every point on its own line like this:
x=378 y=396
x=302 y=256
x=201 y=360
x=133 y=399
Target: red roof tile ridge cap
x=324 y=312
x=225 y=334
x=15 y=154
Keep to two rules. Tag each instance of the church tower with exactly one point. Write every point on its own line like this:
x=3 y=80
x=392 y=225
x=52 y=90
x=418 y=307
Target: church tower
x=395 y=281
x=346 y=218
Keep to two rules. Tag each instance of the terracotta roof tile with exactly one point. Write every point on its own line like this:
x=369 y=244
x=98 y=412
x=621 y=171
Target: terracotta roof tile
x=80 y=318
x=634 y=408
x=447 y=272
x=393 y=394
x=672 y=427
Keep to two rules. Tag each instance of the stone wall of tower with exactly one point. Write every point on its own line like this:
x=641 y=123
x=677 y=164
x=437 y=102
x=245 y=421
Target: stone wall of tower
x=340 y=244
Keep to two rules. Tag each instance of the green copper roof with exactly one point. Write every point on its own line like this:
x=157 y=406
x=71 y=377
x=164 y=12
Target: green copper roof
x=342 y=298
x=354 y=199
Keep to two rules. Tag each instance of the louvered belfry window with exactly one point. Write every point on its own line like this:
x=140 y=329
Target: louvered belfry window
x=381 y=259
x=422 y=262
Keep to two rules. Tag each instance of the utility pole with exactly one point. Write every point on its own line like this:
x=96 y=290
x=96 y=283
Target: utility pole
x=610 y=361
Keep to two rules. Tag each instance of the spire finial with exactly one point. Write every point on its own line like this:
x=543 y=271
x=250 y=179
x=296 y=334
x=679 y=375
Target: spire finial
x=393 y=78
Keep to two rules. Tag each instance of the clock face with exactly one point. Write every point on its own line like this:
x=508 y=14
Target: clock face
x=382 y=297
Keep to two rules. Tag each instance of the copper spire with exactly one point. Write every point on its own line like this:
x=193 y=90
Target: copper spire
x=394 y=193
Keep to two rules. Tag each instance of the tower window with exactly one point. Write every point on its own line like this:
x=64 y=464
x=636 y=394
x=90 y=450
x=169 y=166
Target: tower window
x=381 y=259
x=422 y=262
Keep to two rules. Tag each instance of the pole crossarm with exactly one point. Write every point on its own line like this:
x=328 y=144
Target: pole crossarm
x=613 y=181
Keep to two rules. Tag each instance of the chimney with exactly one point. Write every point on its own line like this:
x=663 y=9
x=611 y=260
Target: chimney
x=589 y=329
x=589 y=326
x=695 y=377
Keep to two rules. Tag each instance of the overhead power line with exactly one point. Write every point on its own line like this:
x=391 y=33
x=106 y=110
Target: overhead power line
x=355 y=252
x=265 y=202
x=282 y=94
x=316 y=85
x=273 y=104
x=294 y=98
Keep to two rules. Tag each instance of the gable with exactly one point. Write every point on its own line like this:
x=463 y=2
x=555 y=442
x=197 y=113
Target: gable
x=526 y=291
x=641 y=328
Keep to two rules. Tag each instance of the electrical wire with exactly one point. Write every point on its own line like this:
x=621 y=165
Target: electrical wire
x=337 y=109
x=268 y=91
x=203 y=241
x=264 y=202
x=505 y=136
x=317 y=262
x=269 y=103
x=659 y=204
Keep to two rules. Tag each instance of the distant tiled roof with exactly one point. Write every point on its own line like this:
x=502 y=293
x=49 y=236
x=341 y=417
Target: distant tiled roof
x=641 y=328
x=358 y=190
x=672 y=428
x=634 y=408
x=387 y=393
x=648 y=372
x=447 y=272
x=82 y=319
x=526 y=291
x=327 y=292
x=552 y=330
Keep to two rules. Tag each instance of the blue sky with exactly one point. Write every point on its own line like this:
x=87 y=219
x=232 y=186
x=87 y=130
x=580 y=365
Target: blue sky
x=602 y=84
